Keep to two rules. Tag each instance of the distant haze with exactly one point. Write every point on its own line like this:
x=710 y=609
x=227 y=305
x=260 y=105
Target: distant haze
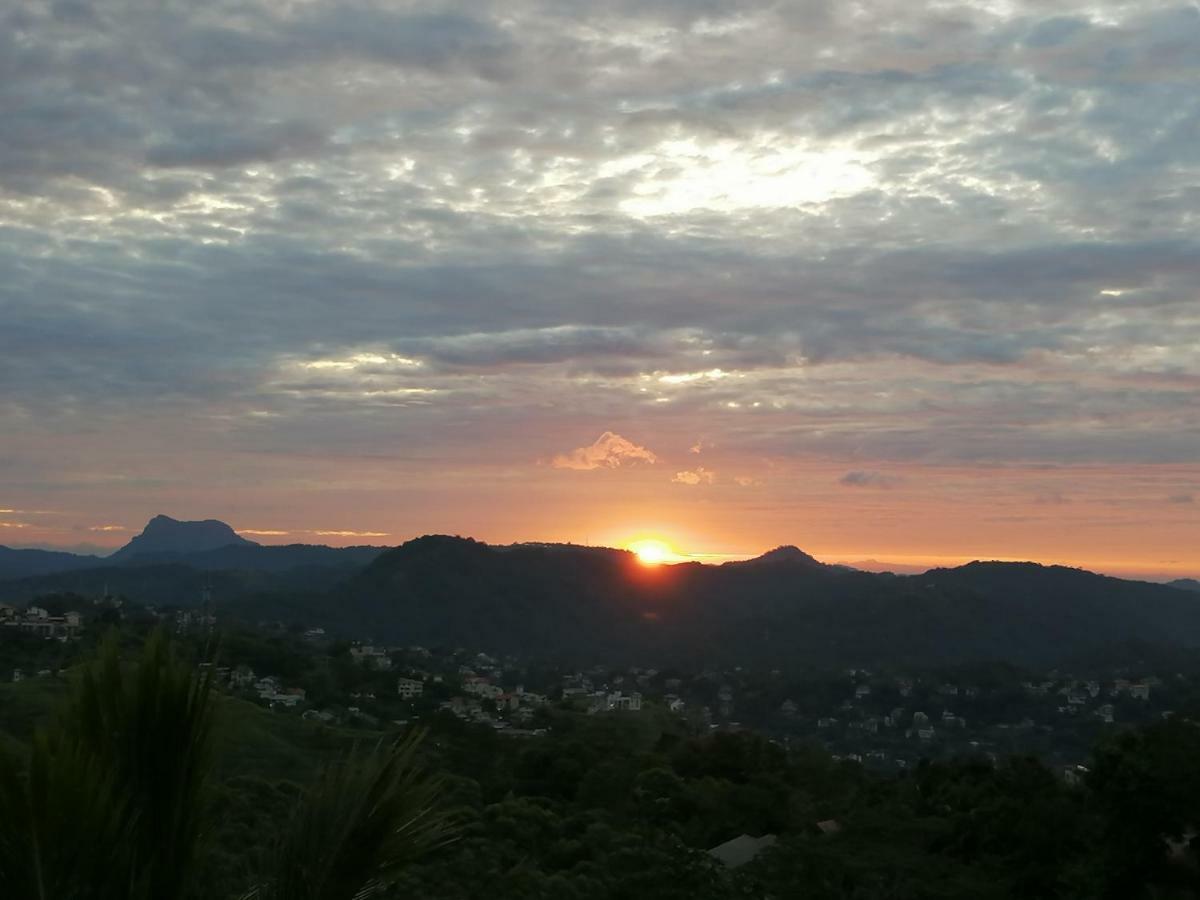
x=912 y=283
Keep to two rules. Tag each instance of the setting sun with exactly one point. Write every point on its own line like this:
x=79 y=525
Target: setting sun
x=652 y=552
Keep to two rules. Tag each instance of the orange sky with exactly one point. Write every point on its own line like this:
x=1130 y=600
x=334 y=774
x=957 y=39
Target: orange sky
x=879 y=280
x=1119 y=521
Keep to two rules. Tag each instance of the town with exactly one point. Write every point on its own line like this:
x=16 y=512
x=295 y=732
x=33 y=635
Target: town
x=883 y=719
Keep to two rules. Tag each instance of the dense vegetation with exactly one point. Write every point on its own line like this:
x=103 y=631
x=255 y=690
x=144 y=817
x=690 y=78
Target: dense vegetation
x=626 y=805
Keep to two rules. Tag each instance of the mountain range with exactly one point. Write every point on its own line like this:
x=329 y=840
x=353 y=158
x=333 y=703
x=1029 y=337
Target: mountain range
x=784 y=609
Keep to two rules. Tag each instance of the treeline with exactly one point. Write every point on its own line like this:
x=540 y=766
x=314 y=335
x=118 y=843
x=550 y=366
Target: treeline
x=613 y=808
x=145 y=784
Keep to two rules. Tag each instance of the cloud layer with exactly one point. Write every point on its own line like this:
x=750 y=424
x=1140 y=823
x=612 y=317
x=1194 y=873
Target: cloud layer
x=299 y=250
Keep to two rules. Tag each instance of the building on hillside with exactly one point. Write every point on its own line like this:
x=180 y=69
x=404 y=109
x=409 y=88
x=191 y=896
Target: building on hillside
x=409 y=688
x=371 y=657
x=37 y=621
x=741 y=849
x=604 y=701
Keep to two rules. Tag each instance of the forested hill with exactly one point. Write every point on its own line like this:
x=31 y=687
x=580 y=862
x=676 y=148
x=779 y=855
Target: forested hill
x=588 y=604
x=583 y=604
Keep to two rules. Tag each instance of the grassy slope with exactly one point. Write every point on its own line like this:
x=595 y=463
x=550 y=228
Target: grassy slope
x=250 y=740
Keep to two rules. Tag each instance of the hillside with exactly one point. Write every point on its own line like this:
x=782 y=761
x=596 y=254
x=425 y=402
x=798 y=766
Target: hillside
x=585 y=605
x=25 y=563
x=590 y=605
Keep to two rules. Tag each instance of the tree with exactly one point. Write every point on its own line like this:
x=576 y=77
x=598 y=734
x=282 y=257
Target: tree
x=112 y=801
x=112 y=796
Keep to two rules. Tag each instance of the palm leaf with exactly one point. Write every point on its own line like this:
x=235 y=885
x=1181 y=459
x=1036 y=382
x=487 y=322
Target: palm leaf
x=64 y=827
x=112 y=796
x=356 y=829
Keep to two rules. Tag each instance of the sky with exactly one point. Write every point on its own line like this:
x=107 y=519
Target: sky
x=907 y=282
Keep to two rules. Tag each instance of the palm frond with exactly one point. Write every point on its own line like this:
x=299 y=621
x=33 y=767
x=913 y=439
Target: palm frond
x=356 y=829
x=110 y=802
x=151 y=728
x=64 y=827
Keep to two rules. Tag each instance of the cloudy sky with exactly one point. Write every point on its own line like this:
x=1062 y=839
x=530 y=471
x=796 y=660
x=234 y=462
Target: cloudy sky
x=911 y=282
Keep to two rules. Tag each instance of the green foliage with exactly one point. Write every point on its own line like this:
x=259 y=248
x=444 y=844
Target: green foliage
x=1146 y=784
x=115 y=784
x=113 y=799
x=356 y=829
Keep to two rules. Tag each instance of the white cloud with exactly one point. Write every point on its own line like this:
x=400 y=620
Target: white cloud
x=699 y=475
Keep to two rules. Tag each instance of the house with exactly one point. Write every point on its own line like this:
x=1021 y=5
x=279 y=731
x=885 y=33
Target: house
x=1105 y=713
x=863 y=690
x=371 y=657
x=408 y=688
x=788 y=708
x=631 y=702
x=1074 y=775
x=481 y=687
x=1139 y=691
x=602 y=701
x=37 y=621
x=741 y=849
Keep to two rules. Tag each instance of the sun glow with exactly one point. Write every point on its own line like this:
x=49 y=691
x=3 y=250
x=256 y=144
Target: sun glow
x=651 y=552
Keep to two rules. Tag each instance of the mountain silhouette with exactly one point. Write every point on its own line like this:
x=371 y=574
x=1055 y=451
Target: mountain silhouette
x=589 y=605
x=786 y=555
x=164 y=535
x=24 y=563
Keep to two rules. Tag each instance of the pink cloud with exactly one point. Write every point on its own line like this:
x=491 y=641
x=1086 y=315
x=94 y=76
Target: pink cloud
x=609 y=451
x=699 y=475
